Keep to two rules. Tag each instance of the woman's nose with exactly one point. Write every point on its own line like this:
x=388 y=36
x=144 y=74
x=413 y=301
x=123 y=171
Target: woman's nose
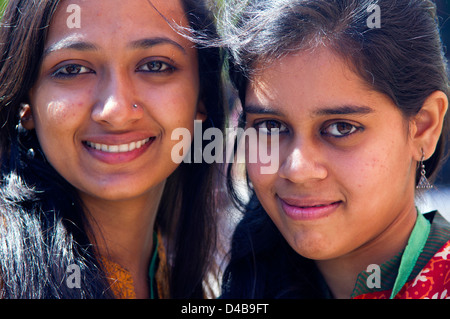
x=118 y=106
x=302 y=164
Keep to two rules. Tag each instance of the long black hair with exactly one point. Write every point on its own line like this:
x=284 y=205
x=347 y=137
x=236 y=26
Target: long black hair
x=402 y=58
x=43 y=226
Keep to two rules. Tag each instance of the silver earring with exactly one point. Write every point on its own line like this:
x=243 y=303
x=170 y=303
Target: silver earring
x=135 y=106
x=423 y=181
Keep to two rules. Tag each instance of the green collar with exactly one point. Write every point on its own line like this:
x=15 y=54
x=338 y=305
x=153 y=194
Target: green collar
x=416 y=244
x=396 y=271
x=152 y=268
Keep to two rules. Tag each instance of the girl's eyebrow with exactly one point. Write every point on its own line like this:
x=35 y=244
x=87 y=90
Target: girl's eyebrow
x=73 y=43
x=151 y=42
x=70 y=43
x=261 y=110
x=344 y=110
x=334 y=110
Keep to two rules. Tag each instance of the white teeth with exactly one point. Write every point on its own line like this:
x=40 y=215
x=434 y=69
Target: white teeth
x=113 y=149
x=122 y=148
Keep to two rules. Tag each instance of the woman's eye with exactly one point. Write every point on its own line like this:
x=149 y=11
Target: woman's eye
x=155 y=67
x=340 y=129
x=71 y=70
x=270 y=127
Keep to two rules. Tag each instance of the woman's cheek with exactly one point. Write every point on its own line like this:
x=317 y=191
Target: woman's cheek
x=262 y=182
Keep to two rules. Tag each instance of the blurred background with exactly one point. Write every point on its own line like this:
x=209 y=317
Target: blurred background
x=439 y=198
x=444 y=22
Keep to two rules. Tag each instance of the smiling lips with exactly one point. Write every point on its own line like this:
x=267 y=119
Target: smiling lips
x=307 y=209
x=113 y=154
x=122 y=148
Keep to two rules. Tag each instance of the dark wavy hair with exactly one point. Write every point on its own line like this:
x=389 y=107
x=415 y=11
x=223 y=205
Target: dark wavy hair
x=402 y=59
x=43 y=226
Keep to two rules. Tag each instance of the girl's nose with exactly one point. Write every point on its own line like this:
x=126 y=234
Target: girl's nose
x=119 y=108
x=302 y=164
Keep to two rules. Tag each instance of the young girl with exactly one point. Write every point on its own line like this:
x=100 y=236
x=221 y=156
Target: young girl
x=92 y=206
x=357 y=91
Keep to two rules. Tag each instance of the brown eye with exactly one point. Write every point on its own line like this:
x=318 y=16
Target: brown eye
x=344 y=128
x=155 y=67
x=271 y=127
x=340 y=129
x=71 y=70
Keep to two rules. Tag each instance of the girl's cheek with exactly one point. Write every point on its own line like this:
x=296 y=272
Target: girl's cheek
x=260 y=181
x=252 y=169
x=62 y=112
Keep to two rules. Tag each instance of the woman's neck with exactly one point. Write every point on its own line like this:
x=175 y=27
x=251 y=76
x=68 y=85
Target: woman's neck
x=122 y=232
x=341 y=273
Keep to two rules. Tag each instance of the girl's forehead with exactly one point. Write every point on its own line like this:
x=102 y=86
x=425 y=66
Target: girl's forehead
x=319 y=83
x=122 y=9
x=305 y=71
x=117 y=20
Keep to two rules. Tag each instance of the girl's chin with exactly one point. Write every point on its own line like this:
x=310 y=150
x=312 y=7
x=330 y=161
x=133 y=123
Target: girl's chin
x=119 y=193
x=315 y=246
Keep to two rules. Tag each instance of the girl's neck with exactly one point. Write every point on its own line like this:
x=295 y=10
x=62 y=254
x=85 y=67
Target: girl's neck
x=341 y=273
x=122 y=232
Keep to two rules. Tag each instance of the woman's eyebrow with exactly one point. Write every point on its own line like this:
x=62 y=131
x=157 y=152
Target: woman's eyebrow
x=261 y=110
x=333 y=110
x=75 y=44
x=72 y=44
x=151 y=42
x=344 y=110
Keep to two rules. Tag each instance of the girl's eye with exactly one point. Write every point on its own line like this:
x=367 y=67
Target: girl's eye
x=155 y=67
x=270 y=127
x=71 y=70
x=340 y=129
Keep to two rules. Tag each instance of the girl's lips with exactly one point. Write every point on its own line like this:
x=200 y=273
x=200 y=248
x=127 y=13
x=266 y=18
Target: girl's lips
x=308 y=209
x=121 y=148
x=118 y=153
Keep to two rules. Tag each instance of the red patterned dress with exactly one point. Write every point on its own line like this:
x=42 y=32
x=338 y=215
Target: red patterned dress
x=430 y=278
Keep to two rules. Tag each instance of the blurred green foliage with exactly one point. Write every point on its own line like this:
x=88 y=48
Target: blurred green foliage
x=2 y=4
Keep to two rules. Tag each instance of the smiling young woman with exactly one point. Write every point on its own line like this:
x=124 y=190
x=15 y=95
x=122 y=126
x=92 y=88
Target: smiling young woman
x=87 y=174
x=359 y=111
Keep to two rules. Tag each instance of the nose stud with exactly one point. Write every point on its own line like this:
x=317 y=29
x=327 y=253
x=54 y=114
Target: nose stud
x=135 y=106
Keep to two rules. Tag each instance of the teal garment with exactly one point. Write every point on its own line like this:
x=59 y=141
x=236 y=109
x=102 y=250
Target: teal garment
x=414 y=248
x=152 y=268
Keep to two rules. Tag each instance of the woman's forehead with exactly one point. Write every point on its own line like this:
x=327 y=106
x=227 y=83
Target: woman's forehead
x=117 y=20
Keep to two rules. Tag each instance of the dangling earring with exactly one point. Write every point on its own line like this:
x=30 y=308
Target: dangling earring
x=23 y=134
x=423 y=182
x=30 y=153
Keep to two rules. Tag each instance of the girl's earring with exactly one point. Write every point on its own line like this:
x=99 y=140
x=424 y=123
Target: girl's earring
x=423 y=181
